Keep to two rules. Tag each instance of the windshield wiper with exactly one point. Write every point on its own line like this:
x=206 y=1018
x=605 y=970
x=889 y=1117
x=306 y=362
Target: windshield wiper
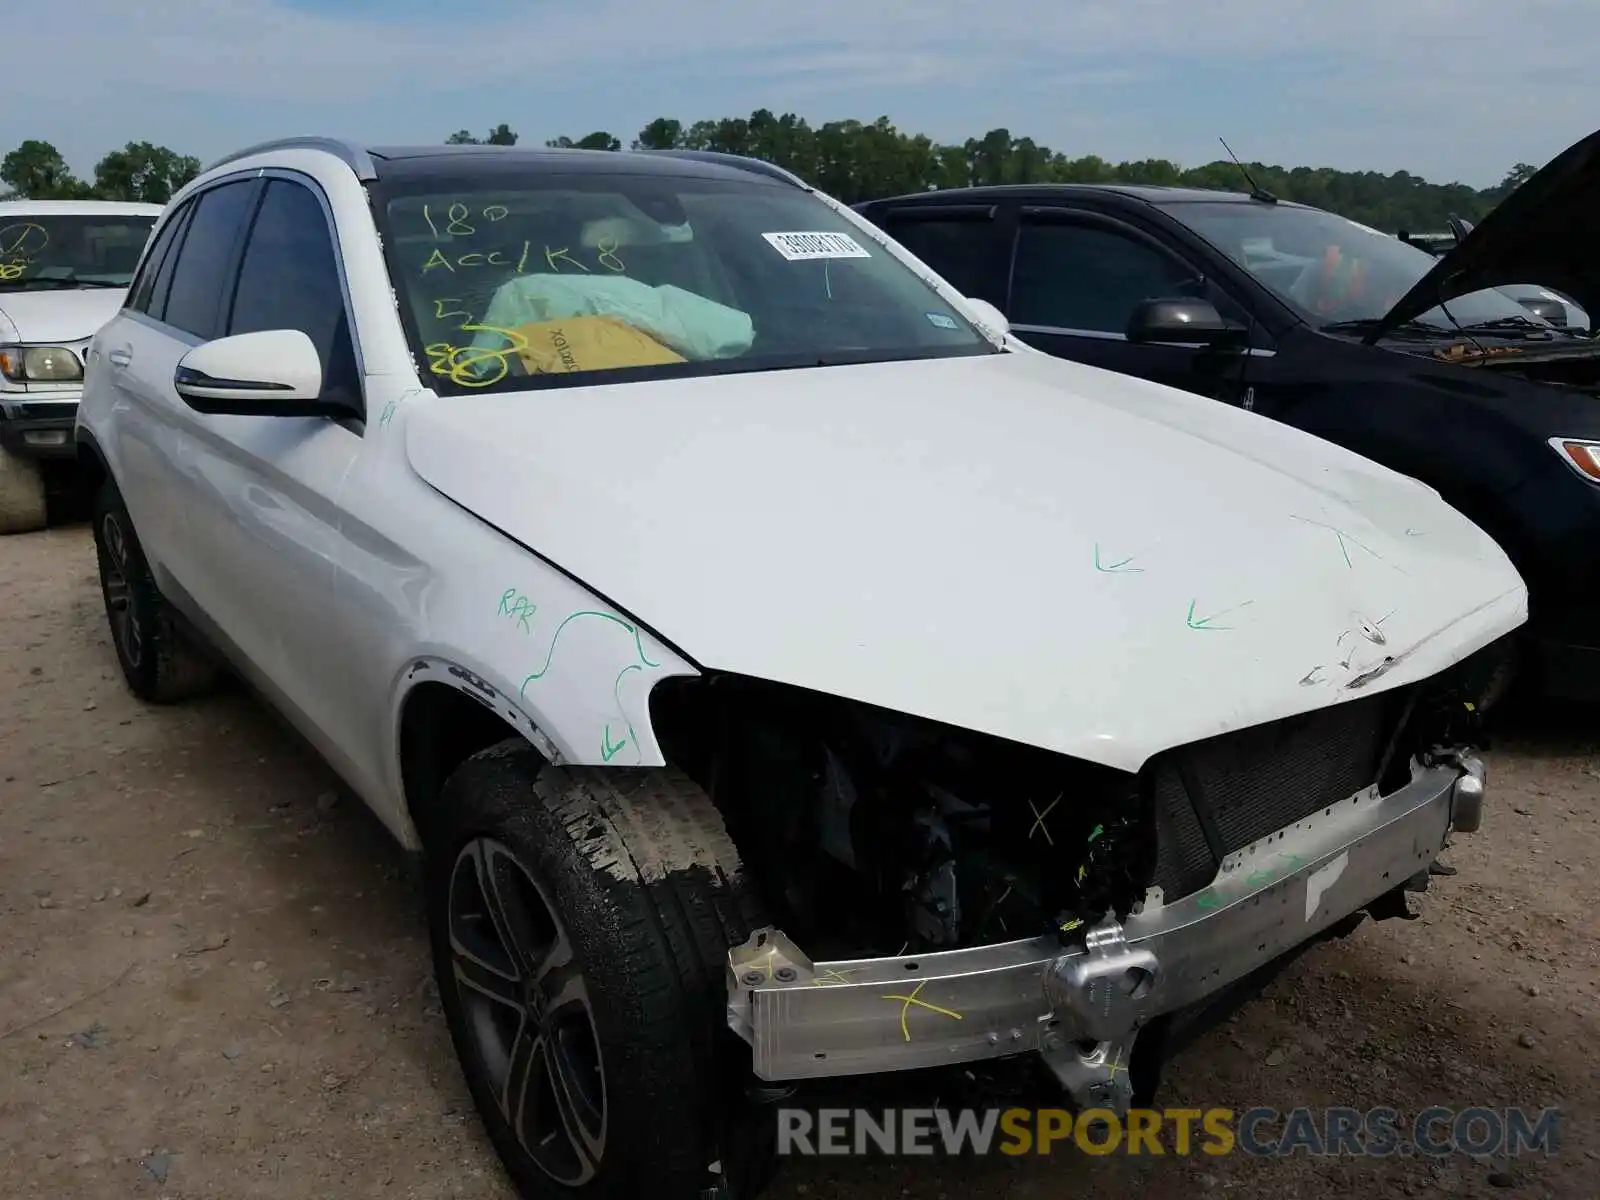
x=1518 y=323
x=1367 y=324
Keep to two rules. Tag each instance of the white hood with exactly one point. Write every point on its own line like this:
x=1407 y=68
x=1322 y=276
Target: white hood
x=1014 y=543
x=53 y=317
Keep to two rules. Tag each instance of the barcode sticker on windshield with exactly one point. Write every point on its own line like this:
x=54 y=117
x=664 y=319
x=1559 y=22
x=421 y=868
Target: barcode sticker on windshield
x=801 y=247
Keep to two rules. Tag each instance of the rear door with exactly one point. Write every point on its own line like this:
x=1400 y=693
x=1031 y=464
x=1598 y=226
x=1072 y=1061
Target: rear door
x=174 y=307
x=1077 y=275
x=968 y=244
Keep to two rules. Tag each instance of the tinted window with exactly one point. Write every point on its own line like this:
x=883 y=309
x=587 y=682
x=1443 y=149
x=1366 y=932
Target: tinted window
x=1083 y=277
x=963 y=250
x=289 y=278
x=204 y=258
x=528 y=278
x=139 y=299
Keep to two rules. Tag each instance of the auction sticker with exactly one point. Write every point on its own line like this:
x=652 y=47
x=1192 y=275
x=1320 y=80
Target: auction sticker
x=804 y=247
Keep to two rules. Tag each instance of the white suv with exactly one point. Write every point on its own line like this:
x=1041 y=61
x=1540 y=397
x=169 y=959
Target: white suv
x=691 y=576
x=64 y=270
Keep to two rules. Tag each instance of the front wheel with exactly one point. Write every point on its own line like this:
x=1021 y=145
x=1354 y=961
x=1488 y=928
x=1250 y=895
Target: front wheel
x=580 y=922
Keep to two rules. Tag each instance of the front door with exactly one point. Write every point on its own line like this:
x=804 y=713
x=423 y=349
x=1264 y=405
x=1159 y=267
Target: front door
x=263 y=491
x=1077 y=277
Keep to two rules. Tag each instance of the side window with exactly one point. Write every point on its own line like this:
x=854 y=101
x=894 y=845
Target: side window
x=964 y=249
x=1085 y=277
x=204 y=258
x=289 y=279
x=139 y=298
x=163 y=288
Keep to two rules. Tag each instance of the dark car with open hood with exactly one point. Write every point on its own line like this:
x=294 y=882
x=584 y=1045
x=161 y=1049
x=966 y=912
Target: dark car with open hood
x=1419 y=362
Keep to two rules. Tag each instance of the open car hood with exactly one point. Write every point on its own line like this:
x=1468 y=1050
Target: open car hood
x=1547 y=232
x=1010 y=543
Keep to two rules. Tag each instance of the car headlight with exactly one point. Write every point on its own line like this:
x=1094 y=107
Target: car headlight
x=1582 y=455
x=40 y=364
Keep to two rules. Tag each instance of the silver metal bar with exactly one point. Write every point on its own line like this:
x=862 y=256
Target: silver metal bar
x=808 y=1020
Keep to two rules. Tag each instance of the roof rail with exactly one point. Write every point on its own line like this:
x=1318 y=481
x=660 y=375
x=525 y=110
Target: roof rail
x=352 y=155
x=757 y=166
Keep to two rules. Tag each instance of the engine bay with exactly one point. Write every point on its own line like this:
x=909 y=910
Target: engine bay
x=873 y=833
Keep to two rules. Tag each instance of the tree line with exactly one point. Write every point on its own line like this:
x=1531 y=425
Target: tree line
x=36 y=170
x=855 y=161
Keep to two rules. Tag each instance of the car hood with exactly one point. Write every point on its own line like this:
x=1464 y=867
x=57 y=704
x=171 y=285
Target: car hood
x=1011 y=543
x=60 y=316
x=1544 y=232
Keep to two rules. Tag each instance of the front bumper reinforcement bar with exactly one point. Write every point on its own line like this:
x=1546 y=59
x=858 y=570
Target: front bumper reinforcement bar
x=1082 y=1008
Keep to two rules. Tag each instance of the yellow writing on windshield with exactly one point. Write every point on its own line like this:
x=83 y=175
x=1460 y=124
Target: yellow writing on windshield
x=461 y=364
x=473 y=258
x=605 y=255
x=23 y=240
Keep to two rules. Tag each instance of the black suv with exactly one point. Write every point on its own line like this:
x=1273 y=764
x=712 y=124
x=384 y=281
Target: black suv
x=1417 y=362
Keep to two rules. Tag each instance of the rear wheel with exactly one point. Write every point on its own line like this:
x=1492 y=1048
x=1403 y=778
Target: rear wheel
x=158 y=661
x=580 y=922
x=22 y=505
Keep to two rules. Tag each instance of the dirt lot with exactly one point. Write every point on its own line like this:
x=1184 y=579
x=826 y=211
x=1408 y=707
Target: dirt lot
x=213 y=979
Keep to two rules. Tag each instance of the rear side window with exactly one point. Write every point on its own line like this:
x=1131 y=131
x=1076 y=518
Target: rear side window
x=963 y=248
x=289 y=279
x=205 y=257
x=158 y=263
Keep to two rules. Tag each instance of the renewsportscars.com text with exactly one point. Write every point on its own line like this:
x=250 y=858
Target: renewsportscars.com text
x=1258 y=1132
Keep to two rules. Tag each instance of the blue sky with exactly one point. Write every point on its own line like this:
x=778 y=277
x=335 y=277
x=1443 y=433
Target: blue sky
x=1449 y=89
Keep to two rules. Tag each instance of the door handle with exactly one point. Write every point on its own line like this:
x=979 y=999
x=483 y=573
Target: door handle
x=121 y=356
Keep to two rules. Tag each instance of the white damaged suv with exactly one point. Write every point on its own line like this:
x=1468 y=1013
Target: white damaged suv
x=64 y=271
x=747 y=639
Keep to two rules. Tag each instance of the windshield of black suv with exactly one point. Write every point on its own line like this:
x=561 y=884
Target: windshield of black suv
x=1332 y=268
x=41 y=251
x=528 y=277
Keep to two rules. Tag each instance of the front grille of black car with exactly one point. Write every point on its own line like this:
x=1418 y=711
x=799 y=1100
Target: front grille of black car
x=1216 y=796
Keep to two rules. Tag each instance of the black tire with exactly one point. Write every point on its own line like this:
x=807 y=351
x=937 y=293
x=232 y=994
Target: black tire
x=158 y=661
x=22 y=495
x=637 y=871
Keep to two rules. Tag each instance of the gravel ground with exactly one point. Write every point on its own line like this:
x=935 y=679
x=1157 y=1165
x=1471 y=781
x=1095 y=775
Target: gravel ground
x=214 y=982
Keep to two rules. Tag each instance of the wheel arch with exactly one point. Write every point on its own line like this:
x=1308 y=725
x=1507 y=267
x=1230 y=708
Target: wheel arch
x=91 y=460
x=445 y=714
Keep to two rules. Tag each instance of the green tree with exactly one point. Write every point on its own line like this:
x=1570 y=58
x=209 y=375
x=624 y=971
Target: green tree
x=36 y=170
x=663 y=133
x=598 y=140
x=143 y=171
x=500 y=135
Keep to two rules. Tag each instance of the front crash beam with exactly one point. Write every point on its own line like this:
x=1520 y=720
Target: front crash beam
x=1081 y=1008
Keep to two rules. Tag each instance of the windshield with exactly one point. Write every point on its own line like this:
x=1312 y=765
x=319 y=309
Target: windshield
x=66 y=251
x=1333 y=268
x=537 y=278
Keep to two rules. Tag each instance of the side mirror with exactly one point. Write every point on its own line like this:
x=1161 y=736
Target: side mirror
x=1184 y=321
x=275 y=373
x=989 y=315
x=1552 y=311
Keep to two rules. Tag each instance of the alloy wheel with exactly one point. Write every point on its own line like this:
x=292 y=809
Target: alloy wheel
x=115 y=581
x=527 y=1011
